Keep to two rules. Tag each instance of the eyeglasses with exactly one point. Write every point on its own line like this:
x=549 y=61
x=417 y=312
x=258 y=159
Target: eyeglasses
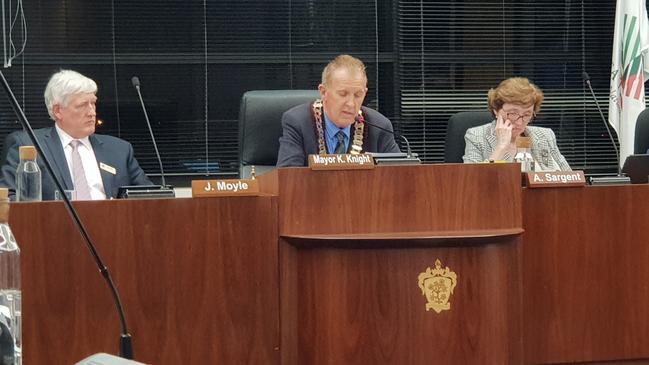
x=513 y=116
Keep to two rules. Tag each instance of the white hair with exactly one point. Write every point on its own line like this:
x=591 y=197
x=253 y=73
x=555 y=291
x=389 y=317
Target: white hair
x=64 y=84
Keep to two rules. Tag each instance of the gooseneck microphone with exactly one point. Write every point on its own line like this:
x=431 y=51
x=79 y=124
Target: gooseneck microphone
x=125 y=344
x=620 y=179
x=586 y=78
x=405 y=140
x=394 y=158
x=136 y=84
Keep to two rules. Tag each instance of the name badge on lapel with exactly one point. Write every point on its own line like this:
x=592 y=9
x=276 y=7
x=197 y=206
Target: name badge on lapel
x=107 y=168
x=545 y=157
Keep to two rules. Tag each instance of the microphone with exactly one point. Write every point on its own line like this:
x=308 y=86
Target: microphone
x=619 y=179
x=405 y=140
x=136 y=83
x=394 y=158
x=125 y=344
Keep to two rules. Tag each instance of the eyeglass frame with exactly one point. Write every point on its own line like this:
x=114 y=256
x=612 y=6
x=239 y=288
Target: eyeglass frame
x=520 y=116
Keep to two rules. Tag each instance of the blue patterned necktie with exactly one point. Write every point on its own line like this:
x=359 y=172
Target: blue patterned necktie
x=340 y=146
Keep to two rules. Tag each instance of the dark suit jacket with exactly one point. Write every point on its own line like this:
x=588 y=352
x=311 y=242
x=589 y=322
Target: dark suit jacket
x=110 y=150
x=298 y=140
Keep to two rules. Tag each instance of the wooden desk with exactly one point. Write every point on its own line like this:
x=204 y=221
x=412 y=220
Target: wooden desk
x=544 y=276
x=586 y=274
x=198 y=278
x=353 y=243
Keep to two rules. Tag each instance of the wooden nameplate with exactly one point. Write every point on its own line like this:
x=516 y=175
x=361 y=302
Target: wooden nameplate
x=555 y=179
x=341 y=162
x=231 y=187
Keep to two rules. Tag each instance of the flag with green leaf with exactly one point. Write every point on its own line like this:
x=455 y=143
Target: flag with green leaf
x=629 y=70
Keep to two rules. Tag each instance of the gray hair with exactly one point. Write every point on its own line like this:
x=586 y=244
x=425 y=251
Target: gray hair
x=64 y=84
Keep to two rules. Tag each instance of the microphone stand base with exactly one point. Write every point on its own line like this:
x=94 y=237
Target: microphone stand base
x=145 y=192
x=398 y=158
x=107 y=359
x=397 y=161
x=610 y=180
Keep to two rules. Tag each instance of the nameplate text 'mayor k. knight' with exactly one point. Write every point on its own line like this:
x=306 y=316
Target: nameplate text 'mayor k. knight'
x=341 y=162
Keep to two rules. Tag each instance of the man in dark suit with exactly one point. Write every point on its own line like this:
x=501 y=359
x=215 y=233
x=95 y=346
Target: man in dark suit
x=92 y=165
x=337 y=123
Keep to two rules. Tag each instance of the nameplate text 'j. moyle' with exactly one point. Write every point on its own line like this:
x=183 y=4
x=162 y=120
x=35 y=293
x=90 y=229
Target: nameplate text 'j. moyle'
x=231 y=187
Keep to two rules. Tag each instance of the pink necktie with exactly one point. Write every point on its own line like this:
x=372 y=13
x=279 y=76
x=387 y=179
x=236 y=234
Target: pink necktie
x=79 y=174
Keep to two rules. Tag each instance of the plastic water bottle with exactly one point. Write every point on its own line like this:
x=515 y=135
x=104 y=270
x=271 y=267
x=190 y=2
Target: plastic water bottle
x=10 y=295
x=28 y=176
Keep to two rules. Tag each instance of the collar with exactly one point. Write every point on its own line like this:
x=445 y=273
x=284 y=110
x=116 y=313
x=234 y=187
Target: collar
x=331 y=129
x=66 y=138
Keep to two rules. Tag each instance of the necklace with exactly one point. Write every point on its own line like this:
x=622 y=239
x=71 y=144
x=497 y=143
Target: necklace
x=359 y=126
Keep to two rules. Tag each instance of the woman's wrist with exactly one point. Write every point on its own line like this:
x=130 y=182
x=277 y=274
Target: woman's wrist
x=498 y=153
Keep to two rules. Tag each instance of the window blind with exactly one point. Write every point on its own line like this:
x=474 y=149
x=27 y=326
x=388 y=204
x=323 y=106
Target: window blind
x=452 y=52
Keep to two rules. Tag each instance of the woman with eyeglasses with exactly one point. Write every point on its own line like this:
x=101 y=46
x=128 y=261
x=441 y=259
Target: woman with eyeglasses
x=514 y=104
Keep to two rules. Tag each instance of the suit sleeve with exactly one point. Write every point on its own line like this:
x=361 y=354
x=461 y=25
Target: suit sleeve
x=387 y=143
x=473 y=149
x=135 y=172
x=10 y=163
x=291 y=143
x=556 y=154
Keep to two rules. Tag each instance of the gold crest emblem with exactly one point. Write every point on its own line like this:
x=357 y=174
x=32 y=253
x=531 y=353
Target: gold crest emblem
x=437 y=286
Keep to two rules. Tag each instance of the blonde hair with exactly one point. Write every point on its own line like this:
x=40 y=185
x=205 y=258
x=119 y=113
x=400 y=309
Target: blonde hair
x=343 y=61
x=515 y=90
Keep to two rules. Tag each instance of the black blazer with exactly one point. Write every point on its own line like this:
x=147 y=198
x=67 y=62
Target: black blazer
x=108 y=150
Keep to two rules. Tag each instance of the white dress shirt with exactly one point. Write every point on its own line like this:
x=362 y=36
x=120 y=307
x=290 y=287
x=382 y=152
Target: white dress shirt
x=89 y=161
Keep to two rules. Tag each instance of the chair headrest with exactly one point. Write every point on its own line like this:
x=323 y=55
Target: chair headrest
x=456 y=129
x=260 y=126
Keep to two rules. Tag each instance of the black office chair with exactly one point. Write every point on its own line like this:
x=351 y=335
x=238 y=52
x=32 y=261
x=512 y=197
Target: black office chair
x=456 y=129
x=641 y=144
x=260 y=127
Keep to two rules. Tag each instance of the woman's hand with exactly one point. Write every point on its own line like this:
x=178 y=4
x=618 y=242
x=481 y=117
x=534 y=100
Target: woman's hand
x=503 y=138
x=503 y=131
